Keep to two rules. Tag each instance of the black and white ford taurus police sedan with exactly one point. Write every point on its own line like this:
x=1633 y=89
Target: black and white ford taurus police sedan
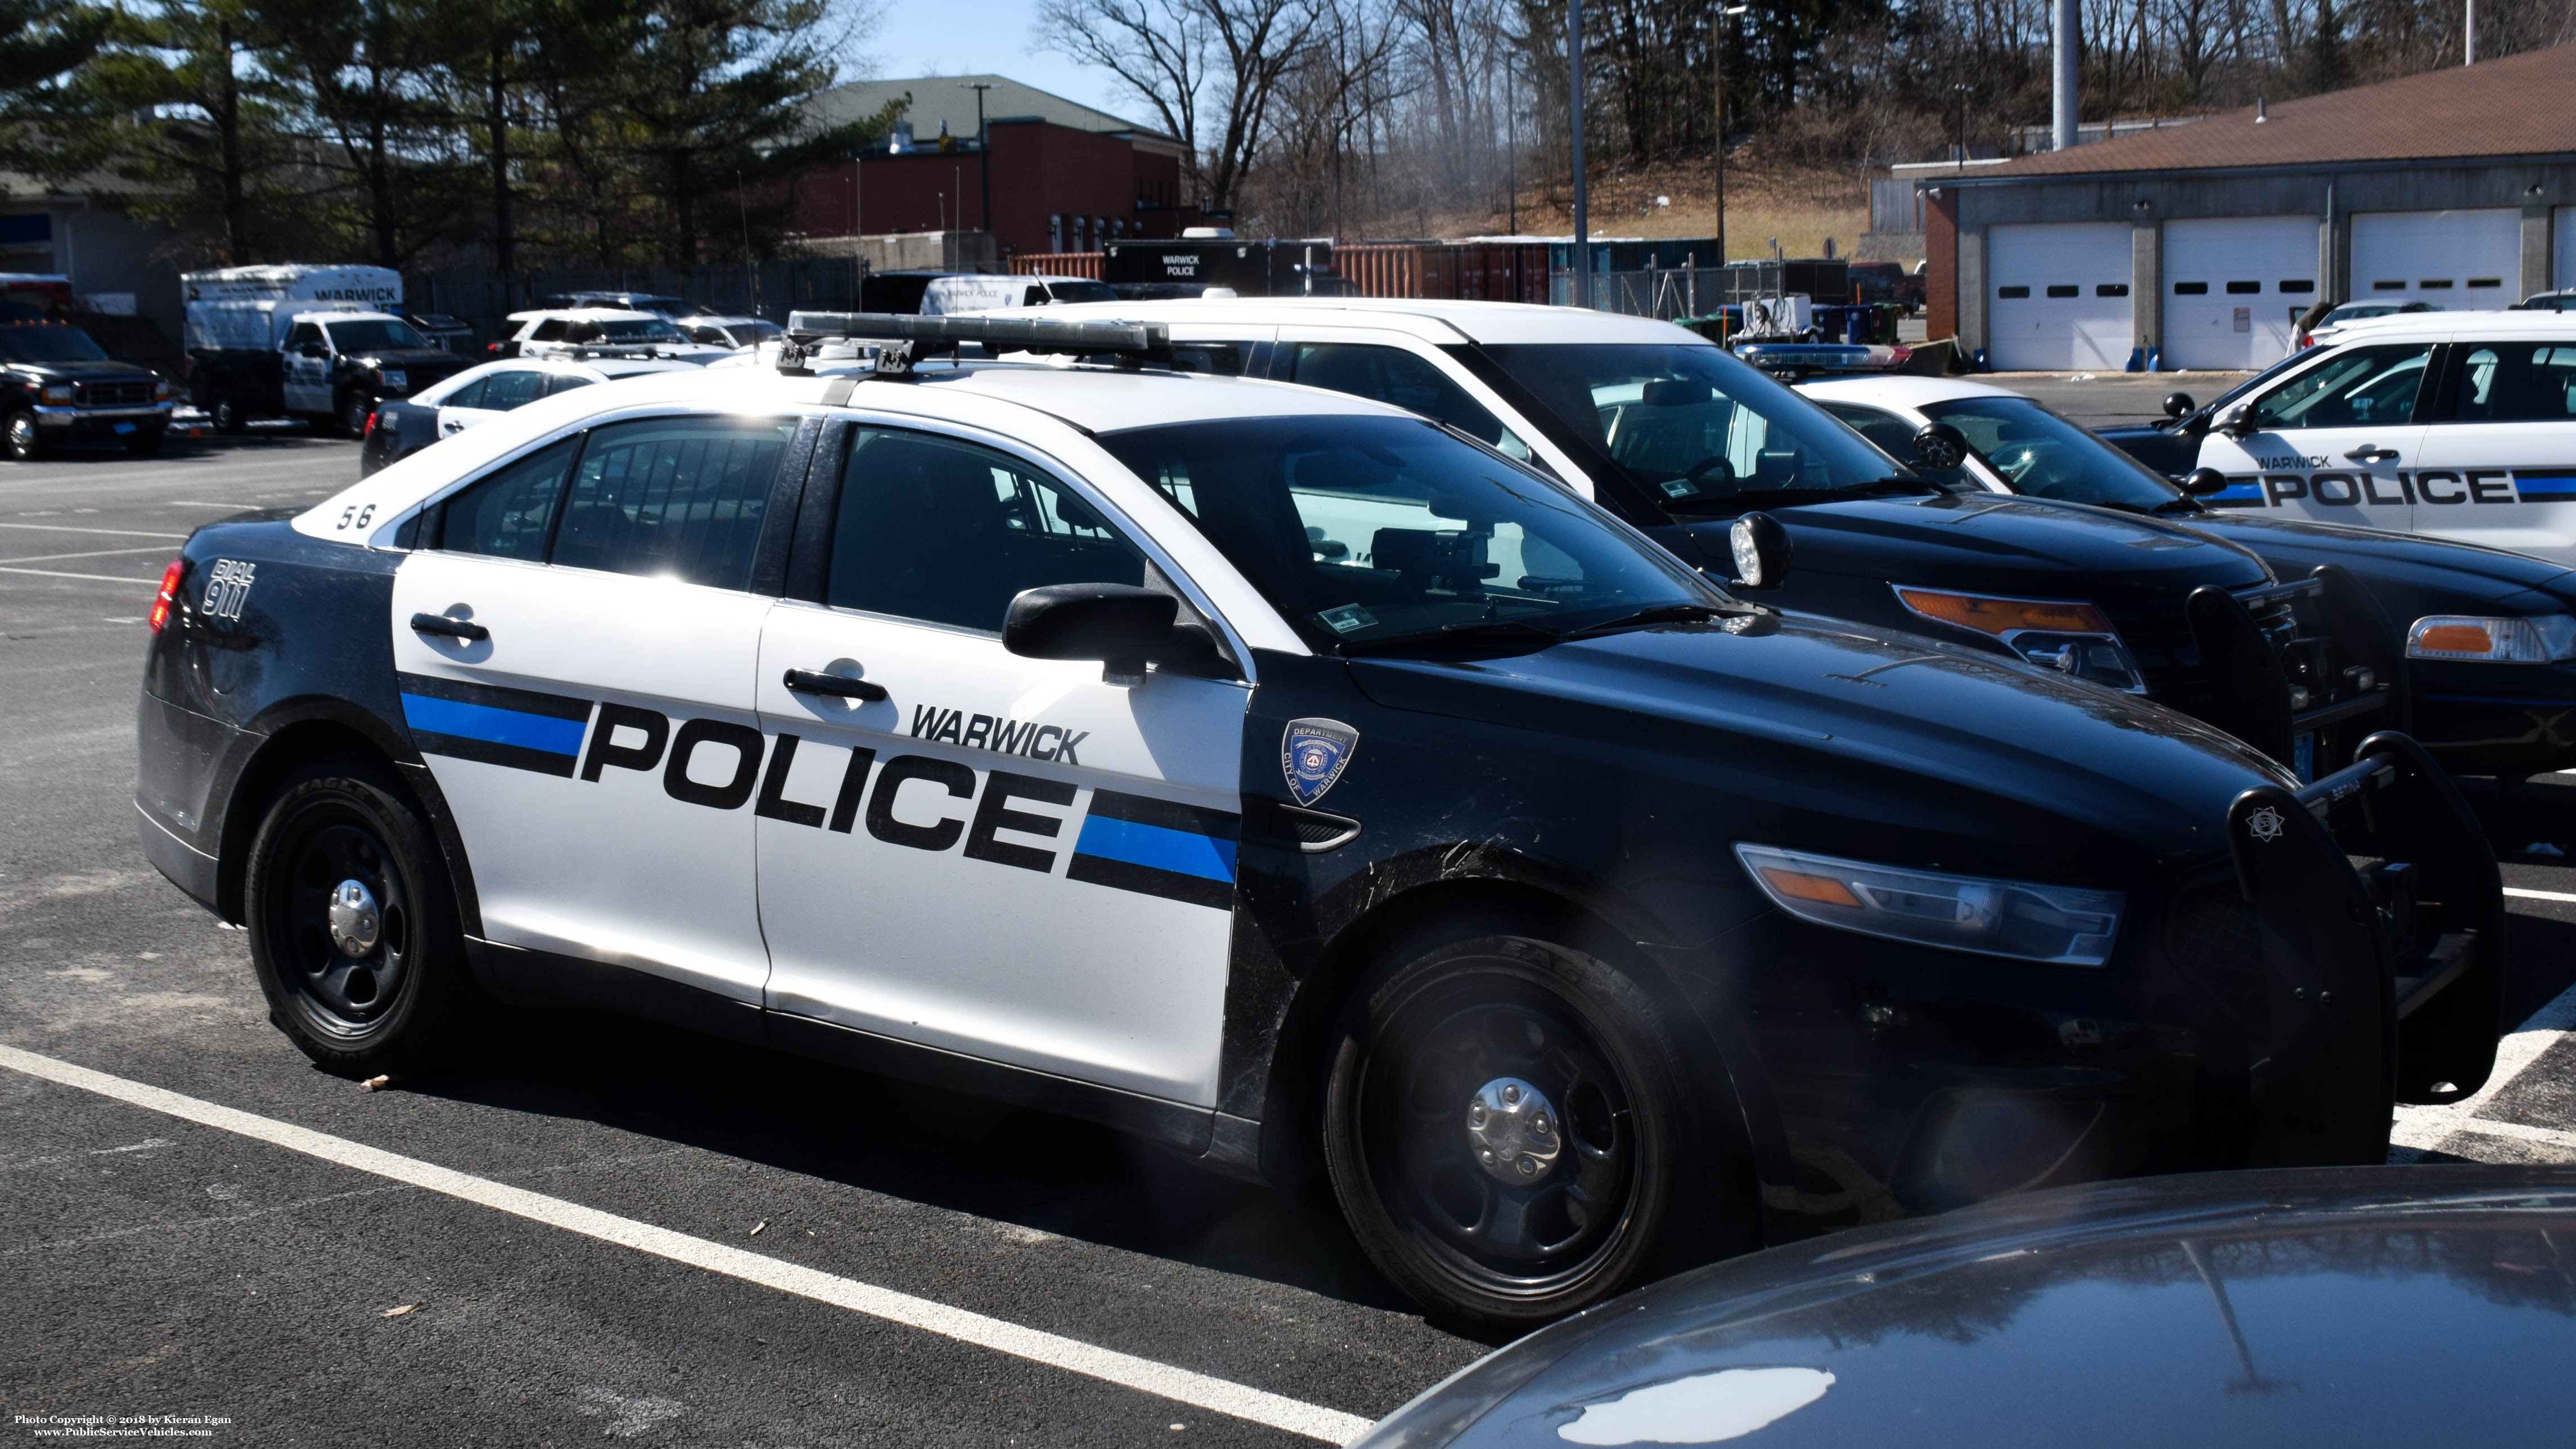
x=1294 y=782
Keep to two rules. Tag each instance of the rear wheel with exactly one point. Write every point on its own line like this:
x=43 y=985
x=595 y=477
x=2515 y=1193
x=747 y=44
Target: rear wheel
x=226 y=410
x=19 y=436
x=1511 y=1128
x=352 y=923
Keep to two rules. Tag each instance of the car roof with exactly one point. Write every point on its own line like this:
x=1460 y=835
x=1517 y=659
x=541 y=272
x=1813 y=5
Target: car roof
x=1499 y=323
x=2437 y=326
x=1899 y=390
x=587 y=314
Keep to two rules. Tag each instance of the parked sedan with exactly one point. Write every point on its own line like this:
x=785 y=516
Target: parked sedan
x=2483 y=640
x=400 y=427
x=2353 y=1307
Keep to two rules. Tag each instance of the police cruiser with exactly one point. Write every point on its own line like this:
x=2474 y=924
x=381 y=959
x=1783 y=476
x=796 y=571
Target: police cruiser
x=2460 y=425
x=2482 y=641
x=1287 y=780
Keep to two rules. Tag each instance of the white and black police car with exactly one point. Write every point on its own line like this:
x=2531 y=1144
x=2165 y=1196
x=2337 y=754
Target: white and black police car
x=1288 y=780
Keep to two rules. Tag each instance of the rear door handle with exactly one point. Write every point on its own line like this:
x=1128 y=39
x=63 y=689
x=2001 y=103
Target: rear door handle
x=452 y=628
x=2372 y=453
x=839 y=686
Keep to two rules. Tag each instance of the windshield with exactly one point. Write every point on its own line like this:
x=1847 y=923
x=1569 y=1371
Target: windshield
x=373 y=334
x=1364 y=531
x=2044 y=456
x=627 y=330
x=1081 y=292
x=48 y=344
x=2300 y=358
x=1692 y=425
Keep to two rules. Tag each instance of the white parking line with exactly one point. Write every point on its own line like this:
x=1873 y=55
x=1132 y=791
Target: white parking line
x=73 y=528
x=93 y=578
x=92 y=553
x=2421 y=1129
x=2531 y=895
x=1222 y=1396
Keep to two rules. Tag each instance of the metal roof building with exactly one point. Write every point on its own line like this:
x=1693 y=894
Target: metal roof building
x=2195 y=246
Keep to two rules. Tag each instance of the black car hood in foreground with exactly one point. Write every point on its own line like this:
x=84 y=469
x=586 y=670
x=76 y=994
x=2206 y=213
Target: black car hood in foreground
x=1842 y=724
x=2407 y=574
x=2353 y=1307
x=1993 y=544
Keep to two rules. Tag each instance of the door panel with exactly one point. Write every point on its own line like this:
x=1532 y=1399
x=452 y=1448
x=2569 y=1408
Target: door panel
x=2061 y=296
x=2501 y=469
x=2337 y=442
x=2233 y=286
x=1004 y=857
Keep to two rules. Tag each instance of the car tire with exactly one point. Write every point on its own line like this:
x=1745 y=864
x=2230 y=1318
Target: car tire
x=1449 y=1037
x=354 y=408
x=20 y=438
x=226 y=411
x=145 y=444
x=382 y=984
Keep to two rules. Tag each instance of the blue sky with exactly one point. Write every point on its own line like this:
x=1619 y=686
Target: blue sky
x=960 y=37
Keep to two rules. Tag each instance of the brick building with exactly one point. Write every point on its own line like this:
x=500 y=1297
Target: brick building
x=1065 y=177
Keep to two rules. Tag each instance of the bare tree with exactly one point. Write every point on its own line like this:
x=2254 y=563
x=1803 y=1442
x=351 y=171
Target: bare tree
x=1221 y=60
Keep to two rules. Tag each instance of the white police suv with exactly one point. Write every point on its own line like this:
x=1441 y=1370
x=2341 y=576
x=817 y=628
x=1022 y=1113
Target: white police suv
x=2461 y=425
x=1291 y=781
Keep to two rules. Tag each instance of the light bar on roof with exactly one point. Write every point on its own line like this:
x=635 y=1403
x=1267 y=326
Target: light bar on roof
x=999 y=334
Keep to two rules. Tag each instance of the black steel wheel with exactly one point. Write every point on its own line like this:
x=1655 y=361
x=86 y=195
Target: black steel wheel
x=20 y=438
x=1508 y=1128
x=354 y=409
x=351 y=922
x=226 y=411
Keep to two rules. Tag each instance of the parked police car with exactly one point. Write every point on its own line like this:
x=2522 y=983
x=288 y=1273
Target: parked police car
x=401 y=427
x=57 y=384
x=2460 y=425
x=1288 y=780
x=1680 y=438
x=2484 y=641
x=586 y=330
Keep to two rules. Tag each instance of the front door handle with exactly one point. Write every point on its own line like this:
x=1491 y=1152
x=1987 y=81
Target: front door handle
x=2372 y=453
x=452 y=628
x=839 y=686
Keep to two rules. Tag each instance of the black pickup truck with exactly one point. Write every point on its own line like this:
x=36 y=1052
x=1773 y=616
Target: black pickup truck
x=58 y=384
x=330 y=370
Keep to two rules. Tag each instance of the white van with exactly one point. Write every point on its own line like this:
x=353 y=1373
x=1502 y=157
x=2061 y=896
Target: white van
x=986 y=292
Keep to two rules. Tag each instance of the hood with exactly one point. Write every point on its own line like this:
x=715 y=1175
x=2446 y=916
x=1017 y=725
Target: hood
x=2358 y=1307
x=77 y=371
x=409 y=357
x=1838 y=725
x=2402 y=570
x=1991 y=543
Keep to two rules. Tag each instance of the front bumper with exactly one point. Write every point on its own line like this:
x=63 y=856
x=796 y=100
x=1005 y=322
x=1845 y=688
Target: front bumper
x=75 y=421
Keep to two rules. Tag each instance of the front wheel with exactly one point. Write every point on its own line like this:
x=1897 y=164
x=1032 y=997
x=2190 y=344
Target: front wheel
x=1511 y=1129
x=19 y=436
x=352 y=924
x=355 y=408
x=226 y=411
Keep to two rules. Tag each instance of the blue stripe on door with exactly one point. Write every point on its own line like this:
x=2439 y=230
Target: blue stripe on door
x=1157 y=848
x=457 y=718
x=2547 y=485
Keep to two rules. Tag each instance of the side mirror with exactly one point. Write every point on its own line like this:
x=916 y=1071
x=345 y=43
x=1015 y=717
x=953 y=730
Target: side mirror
x=2178 y=403
x=1940 y=445
x=2236 y=422
x=1122 y=626
x=1762 y=550
x=2204 y=483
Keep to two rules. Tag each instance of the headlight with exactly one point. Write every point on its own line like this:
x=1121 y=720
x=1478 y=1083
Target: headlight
x=2545 y=639
x=2071 y=637
x=58 y=392
x=2061 y=925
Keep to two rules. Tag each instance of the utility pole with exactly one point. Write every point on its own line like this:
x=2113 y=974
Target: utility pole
x=1962 y=88
x=1511 y=151
x=984 y=154
x=1582 y=258
x=2068 y=48
x=2469 y=26
x=1717 y=56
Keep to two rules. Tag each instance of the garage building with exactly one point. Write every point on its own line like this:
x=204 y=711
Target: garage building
x=2196 y=246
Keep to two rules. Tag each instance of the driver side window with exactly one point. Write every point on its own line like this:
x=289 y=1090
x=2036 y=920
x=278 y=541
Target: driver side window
x=2356 y=389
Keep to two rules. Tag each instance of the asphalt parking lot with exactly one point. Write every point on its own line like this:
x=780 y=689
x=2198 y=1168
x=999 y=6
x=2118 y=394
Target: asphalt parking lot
x=605 y=1230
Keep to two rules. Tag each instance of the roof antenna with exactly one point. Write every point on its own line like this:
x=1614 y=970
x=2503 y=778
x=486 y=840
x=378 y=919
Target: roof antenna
x=2259 y=115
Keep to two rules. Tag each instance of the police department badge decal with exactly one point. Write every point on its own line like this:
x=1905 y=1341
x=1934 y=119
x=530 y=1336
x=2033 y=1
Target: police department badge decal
x=1313 y=755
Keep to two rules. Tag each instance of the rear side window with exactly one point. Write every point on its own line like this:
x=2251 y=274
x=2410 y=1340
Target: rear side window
x=2518 y=382
x=946 y=532
x=1393 y=375
x=468 y=396
x=506 y=513
x=676 y=497
x=566 y=381
x=550 y=330
x=517 y=387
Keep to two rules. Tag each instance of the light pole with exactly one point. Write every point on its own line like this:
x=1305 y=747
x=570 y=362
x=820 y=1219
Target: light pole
x=983 y=156
x=1717 y=57
x=1511 y=151
x=1582 y=258
x=1962 y=88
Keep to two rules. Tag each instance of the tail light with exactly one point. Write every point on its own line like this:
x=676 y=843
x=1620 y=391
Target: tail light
x=370 y=430
x=169 y=594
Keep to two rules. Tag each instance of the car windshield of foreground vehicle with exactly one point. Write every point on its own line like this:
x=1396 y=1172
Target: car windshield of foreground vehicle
x=1691 y=425
x=48 y=344
x=626 y=330
x=373 y=334
x=1373 y=533
x=2044 y=456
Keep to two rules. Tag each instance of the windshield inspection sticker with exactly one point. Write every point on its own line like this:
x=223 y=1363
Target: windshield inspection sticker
x=1346 y=618
x=1313 y=755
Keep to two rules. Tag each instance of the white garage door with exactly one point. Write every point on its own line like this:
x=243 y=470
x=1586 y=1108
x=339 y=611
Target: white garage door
x=2456 y=260
x=2060 y=297
x=2233 y=285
